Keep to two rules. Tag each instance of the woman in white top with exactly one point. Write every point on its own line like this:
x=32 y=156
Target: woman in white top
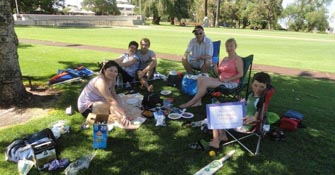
x=99 y=94
x=129 y=62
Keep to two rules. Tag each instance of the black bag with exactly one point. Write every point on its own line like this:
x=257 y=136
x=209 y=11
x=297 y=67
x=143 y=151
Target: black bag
x=173 y=80
x=21 y=148
x=151 y=100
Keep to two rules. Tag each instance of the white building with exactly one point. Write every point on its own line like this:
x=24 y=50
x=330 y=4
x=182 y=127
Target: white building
x=125 y=7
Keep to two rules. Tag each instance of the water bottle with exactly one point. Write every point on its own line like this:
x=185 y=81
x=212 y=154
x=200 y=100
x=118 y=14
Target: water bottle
x=119 y=81
x=160 y=116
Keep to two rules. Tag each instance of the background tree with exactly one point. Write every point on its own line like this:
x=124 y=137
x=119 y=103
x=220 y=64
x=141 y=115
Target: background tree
x=273 y=9
x=33 y=6
x=155 y=9
x=12 y=90
x=101 y=7
x=178 y=9
x=307 y=15
x=198 y=10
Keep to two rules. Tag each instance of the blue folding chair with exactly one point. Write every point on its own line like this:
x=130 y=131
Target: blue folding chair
x=216 y=52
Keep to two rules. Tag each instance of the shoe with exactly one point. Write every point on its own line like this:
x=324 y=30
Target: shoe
x=200 y=145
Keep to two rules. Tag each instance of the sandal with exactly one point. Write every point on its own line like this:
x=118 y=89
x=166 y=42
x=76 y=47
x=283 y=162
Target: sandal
x=186 y=124
x=200 y=145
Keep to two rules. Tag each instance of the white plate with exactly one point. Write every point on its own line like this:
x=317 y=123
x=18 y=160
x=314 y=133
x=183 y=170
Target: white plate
x=187 y=115
x=174 y=116
x=165 y=92
x=132 y=101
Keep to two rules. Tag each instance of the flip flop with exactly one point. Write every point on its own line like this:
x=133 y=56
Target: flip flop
x=200 y=145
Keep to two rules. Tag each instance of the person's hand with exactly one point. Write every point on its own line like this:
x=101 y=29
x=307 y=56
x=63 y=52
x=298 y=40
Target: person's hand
x=140 y=74
x=249 y=120
x=125 y=122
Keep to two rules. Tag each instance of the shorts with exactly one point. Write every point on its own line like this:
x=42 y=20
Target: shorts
x=197 y=64
x=87 y=111
x=145 y=76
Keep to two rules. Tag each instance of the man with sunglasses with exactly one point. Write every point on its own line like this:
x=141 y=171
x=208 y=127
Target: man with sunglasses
x=198 y=54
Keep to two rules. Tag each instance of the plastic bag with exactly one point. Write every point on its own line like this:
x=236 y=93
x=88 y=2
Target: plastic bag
x=83 y=162
x=24 y=166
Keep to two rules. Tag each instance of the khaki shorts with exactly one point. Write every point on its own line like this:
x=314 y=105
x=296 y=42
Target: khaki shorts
x=198 y=64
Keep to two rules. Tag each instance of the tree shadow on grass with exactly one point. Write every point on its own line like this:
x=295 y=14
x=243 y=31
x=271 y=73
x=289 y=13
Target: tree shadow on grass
x=24 y=46
x=163 y=150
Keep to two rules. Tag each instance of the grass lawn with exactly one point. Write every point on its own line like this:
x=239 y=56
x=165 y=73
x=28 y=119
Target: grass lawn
x=278 y=48
x=163 y=150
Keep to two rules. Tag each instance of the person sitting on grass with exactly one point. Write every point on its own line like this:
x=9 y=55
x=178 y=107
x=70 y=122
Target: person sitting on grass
x=260 y=82
x=129 y=62
x=99 y=95
x=230 y=71
x=148 y=63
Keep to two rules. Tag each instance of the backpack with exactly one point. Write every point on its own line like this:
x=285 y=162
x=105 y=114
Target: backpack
x=294 y=114
x=151 y=100
x=20 y=149
x=289 y=124
x=291 y=120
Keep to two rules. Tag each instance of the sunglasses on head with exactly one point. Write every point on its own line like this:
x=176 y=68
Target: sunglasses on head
x=198 y=33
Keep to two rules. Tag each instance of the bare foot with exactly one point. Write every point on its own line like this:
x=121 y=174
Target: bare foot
x=150 y=88
x=185 y=105
x=223 y=137
x=214 y=144
x=197 y=104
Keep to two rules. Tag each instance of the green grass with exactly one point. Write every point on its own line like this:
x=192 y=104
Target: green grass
x=278 y=48
x=163 y=150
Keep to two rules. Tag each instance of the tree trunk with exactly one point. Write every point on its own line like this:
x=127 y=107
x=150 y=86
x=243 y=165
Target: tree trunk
x=156 y=19
x=12 y=90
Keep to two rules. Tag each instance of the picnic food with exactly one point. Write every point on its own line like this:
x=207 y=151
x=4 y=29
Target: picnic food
x=147 y=113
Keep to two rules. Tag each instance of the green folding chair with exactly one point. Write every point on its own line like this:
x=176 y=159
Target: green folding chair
x=235 y=93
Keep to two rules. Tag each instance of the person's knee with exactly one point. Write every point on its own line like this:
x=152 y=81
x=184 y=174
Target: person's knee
x=184 y=61
x=100 y=107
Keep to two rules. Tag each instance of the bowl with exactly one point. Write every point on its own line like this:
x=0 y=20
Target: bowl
x=174 y=116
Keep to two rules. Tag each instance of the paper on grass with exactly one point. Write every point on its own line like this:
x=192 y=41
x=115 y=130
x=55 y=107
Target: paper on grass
x=225 y=115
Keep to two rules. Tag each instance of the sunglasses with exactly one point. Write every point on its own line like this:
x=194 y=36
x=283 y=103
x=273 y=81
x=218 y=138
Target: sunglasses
x=198 y=33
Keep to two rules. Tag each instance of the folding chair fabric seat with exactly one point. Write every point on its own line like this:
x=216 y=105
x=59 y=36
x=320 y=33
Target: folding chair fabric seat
x=244 y=81
x=258 y=130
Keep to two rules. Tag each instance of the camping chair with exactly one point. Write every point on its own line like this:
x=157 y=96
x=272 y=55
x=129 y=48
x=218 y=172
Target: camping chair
x=261 y=127
x=244 y=81
x=215 y=56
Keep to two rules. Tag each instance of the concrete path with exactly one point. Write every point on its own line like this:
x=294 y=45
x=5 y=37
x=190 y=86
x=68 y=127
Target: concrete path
x=259 y=67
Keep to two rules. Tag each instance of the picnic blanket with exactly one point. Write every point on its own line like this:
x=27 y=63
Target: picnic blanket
x=70 y=74
x=131 y=103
